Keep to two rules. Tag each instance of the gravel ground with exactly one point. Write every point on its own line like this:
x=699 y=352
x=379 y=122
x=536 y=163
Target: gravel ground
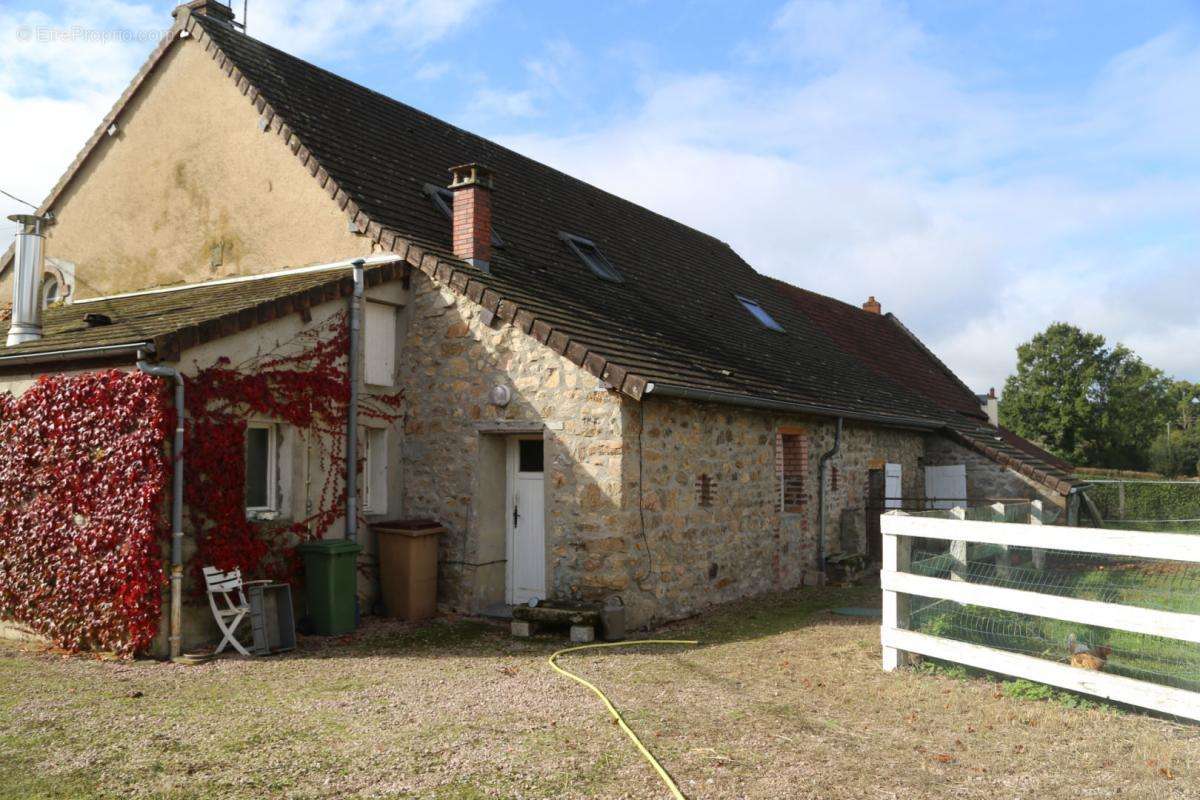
x=781 y=700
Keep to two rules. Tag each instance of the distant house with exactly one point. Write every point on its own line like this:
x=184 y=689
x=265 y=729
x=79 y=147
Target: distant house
x=598 y=400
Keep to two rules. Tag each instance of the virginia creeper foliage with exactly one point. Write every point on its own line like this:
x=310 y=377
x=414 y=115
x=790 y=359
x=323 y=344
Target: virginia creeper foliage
x=83 y=468
x=302 y=383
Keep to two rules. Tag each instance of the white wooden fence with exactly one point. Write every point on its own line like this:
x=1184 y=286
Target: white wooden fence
x=898 y=584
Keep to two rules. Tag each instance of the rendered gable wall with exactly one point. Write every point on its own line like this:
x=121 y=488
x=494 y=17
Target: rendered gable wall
x=189 y=171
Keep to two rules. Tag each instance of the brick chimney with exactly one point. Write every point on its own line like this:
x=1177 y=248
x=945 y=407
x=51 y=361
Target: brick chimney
x=207 y=8
x=472 y=214
x=872 y=306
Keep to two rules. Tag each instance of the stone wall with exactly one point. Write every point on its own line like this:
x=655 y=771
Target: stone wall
x=741 y=544
x=449 y=363
x=615 y=523
x=986 y=478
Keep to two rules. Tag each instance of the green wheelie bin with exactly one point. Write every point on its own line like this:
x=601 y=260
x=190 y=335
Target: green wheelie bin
x=331 y=585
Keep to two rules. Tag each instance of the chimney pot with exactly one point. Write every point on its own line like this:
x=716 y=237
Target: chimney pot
x=207 y=8
x=991 y=407
x=28 y=266
x=471 y=214
x=872 y=306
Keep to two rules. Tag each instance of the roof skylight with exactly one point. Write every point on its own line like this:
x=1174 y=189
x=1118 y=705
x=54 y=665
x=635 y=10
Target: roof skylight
x=590 y=255
x=443 y=198
x=759 y=313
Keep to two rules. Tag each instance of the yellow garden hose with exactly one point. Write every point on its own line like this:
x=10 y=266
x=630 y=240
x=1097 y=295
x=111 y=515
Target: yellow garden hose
x=662 y=773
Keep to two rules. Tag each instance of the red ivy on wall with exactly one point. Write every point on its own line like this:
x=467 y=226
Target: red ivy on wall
x=302 y=383
x=82 y=475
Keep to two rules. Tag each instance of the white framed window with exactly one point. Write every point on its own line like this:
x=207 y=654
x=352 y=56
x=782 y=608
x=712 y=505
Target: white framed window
x=262 y=471
x=379 y=350
x=375 y=471
x=51 y=291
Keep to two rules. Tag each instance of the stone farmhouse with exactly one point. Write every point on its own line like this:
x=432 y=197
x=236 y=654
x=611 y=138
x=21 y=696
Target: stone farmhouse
x=598 y=400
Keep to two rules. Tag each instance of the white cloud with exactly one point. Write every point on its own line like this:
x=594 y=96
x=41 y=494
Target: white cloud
x=845 y=151
x=62 y=70
x=864 y=165
x=59 y=75
x=320 y=28
x=548 y=76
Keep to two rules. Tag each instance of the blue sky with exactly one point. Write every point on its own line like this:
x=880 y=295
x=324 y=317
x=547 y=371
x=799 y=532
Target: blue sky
x=983 y=168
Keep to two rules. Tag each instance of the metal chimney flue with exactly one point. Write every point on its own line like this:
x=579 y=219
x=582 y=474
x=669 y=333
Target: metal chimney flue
x=26 y=323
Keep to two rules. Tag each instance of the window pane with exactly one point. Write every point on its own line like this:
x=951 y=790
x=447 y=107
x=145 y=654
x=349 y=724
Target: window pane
x=530 y=455
x=591 y=256
x=258 y=443
x=760 y=314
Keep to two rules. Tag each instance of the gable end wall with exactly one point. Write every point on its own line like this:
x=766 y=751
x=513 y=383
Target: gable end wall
x=190 y=171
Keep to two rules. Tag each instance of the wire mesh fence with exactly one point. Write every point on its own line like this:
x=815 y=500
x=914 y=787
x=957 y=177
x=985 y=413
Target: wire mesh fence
x=1147 y=505
x=1166 y=586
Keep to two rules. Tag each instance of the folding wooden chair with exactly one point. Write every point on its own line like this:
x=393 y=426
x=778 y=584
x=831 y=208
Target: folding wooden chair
x=233 y=607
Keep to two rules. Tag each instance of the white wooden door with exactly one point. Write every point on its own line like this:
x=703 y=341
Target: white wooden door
x=526 y=522
x=946 y=487
x=893 y=489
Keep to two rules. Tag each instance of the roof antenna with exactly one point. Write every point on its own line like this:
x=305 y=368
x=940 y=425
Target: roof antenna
x=233 y=20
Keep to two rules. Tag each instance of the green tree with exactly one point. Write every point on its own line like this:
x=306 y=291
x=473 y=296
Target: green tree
x=1051 y=397
x=1089 y=404
x=1134 y=405
x=1185 y=400
x=1178 y=455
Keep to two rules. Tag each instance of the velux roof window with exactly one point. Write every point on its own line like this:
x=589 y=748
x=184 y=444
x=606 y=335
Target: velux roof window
x=443 y=198
x=759 y=313
x=590 y=255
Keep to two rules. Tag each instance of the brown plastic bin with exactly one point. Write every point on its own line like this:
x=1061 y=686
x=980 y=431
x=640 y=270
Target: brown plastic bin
x=408 y=550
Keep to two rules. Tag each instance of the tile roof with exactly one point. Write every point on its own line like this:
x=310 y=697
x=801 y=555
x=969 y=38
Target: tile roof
x=177 y=318
x=674 y=321
x=887 y=348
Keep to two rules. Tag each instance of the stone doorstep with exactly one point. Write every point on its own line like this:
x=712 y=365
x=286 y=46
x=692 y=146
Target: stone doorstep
x=580 y=634
x=563 y=613
x=582 y=618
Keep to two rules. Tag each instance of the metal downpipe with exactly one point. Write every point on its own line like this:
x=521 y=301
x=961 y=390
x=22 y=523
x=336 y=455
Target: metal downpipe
x=355 y=326
x=825 y=457
x=175 y=636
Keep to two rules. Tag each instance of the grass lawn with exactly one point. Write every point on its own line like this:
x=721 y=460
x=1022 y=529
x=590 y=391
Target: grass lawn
x=781 y=700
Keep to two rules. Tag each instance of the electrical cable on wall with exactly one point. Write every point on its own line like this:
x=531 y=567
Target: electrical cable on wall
x=473 y=564
x=19 y=200
x=642 y=503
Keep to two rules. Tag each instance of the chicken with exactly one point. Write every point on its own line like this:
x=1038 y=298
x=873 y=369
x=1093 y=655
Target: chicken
x=1084 y=657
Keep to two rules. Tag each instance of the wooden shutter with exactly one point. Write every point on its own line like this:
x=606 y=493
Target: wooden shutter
x=791 y=467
